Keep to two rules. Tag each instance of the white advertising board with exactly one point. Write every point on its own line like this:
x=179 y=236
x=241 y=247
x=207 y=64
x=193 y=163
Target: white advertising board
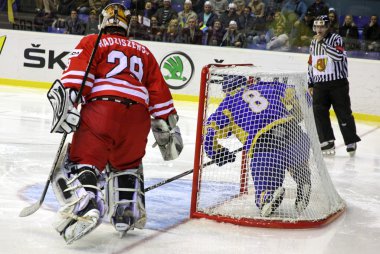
x=41 y=57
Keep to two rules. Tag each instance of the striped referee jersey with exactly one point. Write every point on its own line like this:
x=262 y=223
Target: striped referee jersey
x=327 y=60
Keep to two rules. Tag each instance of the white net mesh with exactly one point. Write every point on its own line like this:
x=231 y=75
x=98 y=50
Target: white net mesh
x=258 y=128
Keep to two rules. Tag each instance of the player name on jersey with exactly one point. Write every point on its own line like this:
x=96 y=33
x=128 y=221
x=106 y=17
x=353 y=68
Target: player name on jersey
x=110 y=41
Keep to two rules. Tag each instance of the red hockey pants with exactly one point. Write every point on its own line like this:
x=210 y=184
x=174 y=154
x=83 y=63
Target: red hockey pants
x=111 y=132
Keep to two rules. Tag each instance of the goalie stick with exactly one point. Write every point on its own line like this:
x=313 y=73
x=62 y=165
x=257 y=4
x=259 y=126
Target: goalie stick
x=26 y=211
x=188 y=172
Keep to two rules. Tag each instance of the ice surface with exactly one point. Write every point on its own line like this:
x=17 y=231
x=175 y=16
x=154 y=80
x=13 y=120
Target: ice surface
x=27 y=150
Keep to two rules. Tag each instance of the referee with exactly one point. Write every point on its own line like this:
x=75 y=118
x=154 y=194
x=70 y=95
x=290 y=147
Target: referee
x=328 y=84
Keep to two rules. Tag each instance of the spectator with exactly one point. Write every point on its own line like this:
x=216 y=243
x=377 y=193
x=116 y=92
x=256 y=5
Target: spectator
x=134 y=29
x=153 y=32
x=81 y=6
x=65 y=7
x=215 y=36
x=280 y=40
x=39 y=21
x=258 y=13
x=302 y=34
x=74 y=25
x=187 y=13
x=219 y=6
x=165 y=14
x=42 y=21
x=173 y=32
x=294 y=11
x=156 y=4
x=137 y=5
x=258 y=8
x=148 y=11
x=198 y=6
x=334 y=25
x=58 y=25
x=232 y=38
x=98 y=5
x=349 y=32
x=272 y=6
x=48 y=6
x=247 y=22
x=191 y=33
x=318 y=8
x=93 y=22
x=278 y=20
x=208 y=16
x=39 y=5
x=240 y=4
x=265 y=37
x=371 y=34
x=229 y=15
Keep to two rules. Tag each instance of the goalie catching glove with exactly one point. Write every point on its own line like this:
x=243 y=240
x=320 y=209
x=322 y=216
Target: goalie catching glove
x=168 y=137
x=66 y=116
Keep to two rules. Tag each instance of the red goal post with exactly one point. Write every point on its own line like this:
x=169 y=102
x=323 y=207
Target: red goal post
x=227 y=193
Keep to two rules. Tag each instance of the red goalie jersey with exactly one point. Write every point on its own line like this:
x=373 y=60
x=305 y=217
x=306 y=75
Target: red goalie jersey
x=120 y=68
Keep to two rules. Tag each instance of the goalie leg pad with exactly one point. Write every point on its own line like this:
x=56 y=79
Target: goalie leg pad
x=168 y=137
x=126 y=199
x=81 y=201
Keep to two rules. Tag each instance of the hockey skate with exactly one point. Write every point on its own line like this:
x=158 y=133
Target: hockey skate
x=328 y=148
x=123 y=220
x=81 y=224
x=272 y=202
x=129 y=215
x=351 y=149
x=303 y=196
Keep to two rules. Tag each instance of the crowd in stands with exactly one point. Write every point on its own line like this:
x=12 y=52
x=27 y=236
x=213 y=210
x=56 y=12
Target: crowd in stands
x=266 y=24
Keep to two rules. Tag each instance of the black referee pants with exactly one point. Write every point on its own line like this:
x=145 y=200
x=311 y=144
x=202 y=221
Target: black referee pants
x=336 y=94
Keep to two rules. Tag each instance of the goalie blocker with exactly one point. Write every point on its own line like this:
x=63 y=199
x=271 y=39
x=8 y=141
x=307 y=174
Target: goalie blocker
x=66 y=117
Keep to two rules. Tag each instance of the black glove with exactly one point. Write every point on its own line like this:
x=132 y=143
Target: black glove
x=223 y=156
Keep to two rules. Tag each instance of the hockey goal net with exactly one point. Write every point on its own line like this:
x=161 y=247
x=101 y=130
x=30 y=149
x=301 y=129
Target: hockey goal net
x=258 y=160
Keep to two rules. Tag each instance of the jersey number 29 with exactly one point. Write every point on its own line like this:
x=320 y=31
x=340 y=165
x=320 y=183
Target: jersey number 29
x=134 y=63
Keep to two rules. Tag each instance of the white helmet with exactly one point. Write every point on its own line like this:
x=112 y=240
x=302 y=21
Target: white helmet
x=115 y=15
x=322 y=20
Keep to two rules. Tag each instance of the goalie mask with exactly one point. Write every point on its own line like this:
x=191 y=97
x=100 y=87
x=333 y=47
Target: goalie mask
x=114 y=15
